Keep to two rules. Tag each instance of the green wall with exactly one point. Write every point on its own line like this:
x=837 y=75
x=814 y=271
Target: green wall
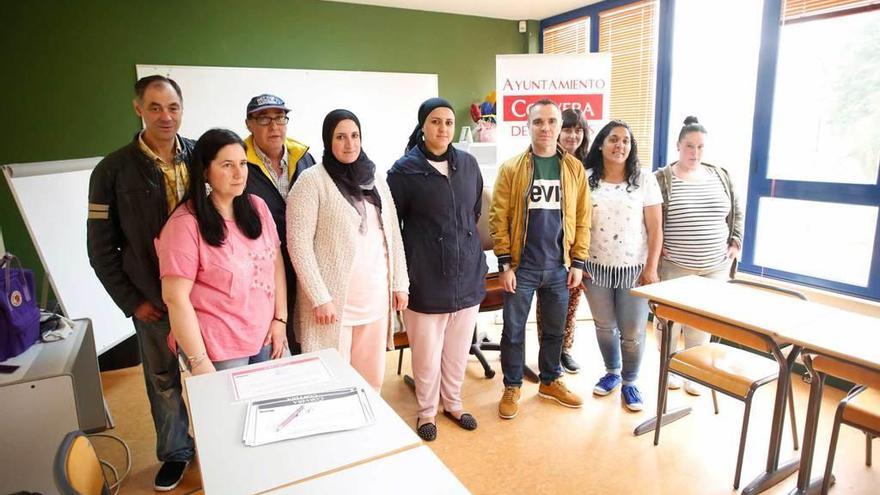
x=69 y=65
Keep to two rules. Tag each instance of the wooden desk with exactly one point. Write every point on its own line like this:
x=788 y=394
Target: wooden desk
x=844 y=336
x=758 y=311
x=228 y=466
x=415 y=470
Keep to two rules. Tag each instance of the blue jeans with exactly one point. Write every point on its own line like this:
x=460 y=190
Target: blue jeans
x=264 y=355
x=552 y=288
x=620 y=319
x=162 y=378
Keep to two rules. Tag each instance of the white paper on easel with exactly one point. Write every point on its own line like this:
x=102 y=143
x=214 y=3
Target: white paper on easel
x=278 y=378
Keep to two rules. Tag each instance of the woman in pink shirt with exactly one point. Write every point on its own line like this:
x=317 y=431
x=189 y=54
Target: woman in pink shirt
x=220 y=263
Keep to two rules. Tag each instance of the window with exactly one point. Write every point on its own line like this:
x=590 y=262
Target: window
x=815 y=193
x=714 y=71
x=569 y=37
x=831 y=241
x=629 y=33
x=825 y=108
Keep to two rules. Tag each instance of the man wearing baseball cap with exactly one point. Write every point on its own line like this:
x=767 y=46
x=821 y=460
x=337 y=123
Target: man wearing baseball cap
x=274 y=163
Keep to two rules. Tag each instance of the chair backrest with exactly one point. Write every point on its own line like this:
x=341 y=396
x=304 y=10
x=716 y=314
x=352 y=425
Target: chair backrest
x=768 y=288
x=77 y=469
x=483 y=222
x=847 y=371
x=494 y=298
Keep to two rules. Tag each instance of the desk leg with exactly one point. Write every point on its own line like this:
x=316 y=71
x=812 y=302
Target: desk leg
x=108 y=417
x=665 y=419
x=665 y=416
x=817 y=382
x=774 y=473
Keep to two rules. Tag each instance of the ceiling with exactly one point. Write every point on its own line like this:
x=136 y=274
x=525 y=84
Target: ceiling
x=499 y=9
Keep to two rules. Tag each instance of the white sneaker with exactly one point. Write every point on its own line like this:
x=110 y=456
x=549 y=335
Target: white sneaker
x=673 y=382
x=692 y=388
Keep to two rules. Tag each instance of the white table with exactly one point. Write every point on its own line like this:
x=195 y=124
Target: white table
x=228 y=466
x=415 y=470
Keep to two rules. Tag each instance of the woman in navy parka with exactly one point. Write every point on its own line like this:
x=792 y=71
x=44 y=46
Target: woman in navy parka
x=437 y=190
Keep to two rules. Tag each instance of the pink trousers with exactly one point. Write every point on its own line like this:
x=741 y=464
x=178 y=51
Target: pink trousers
x=364 y=346
x=440 y=344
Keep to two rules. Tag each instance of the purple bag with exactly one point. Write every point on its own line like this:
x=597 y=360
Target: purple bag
x=19 y=315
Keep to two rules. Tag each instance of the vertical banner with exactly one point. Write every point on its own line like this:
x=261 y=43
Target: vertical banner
x=580 y=81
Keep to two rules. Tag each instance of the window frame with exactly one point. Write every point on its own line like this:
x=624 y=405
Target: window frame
x=759 y=185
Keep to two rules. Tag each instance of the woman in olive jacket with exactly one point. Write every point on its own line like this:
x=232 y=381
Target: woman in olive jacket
x=438 y=190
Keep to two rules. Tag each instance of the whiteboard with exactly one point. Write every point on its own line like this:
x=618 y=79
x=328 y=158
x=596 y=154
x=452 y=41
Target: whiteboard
x=53 y=198
x=386 y=103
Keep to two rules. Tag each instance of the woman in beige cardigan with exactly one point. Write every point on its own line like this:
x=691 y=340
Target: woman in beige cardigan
x=345 y=246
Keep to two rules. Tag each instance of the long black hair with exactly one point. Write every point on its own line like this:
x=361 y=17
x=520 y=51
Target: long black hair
x=211 y=223
x=597 y=163
x=572 y=117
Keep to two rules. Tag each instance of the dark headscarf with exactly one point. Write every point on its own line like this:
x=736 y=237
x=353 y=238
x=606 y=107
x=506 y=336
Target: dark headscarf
x=357 y=180
x=417 y=138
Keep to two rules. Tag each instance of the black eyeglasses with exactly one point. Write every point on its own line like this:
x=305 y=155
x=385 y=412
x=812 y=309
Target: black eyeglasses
x=264 y=120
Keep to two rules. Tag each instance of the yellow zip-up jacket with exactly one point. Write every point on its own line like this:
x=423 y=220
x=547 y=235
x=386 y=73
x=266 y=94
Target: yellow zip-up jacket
x=508 y=215
x=295 y=151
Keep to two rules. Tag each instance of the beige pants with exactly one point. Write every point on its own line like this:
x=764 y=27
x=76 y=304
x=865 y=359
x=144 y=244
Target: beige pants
x=363 y=346
x=692 y=336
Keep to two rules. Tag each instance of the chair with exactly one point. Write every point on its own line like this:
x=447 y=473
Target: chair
x=735 y=372
x=859 y=409
x=492 y=301
x=77 y=469
x=401 y=342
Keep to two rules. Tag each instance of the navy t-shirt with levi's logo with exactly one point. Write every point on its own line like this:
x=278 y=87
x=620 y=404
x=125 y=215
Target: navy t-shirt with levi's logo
x=543 y=247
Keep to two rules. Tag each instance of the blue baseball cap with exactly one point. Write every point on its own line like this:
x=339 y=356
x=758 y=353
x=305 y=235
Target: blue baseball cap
x=264 y=101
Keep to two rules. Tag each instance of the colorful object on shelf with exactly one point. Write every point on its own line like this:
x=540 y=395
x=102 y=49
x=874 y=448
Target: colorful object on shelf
x=475 y=112
x=485 y=132
x=484 y=111
x=484 y=116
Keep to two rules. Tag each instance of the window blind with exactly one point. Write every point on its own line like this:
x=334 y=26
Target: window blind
x=629 y=33
x=568 y=37
x=798 y=9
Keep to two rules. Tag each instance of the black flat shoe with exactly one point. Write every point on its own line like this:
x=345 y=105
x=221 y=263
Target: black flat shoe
x=427 y=432
x=569 y=364
x=465 y=421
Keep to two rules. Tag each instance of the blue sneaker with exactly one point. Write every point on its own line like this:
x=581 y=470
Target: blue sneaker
x=631 y=397
x=606 y=384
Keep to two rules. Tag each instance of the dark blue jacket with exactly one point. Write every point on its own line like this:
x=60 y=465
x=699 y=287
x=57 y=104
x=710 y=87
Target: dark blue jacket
x=438 y=218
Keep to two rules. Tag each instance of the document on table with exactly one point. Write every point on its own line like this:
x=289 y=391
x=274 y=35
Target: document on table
x=297 y=416
x=279 y=378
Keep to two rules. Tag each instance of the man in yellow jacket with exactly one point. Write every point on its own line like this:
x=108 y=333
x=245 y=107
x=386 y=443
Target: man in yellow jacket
x=540 y=226
x=274 y=163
